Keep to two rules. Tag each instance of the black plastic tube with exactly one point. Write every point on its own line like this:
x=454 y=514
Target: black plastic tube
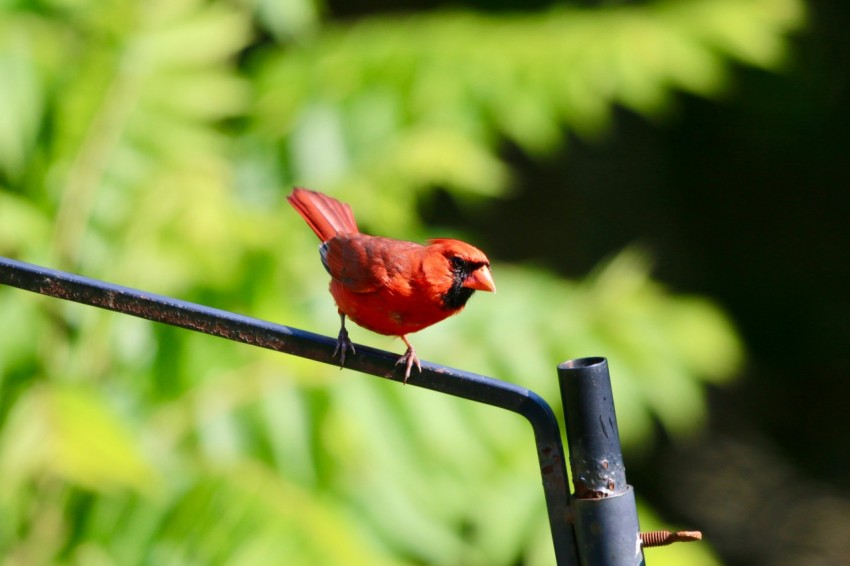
x=606 y=522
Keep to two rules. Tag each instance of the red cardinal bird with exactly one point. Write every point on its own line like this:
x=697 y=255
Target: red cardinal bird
x=389 y=286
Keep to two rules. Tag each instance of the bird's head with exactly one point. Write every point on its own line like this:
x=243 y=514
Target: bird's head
x=462 y=268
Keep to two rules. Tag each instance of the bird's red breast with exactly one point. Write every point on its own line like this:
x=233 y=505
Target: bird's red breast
x=391 y=286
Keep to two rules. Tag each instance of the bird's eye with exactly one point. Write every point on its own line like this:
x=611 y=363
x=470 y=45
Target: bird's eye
x=458 y=263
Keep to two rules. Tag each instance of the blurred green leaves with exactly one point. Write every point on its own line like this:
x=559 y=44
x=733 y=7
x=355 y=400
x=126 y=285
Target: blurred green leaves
x=71 y=434
x=485 y=78
x=150 y=144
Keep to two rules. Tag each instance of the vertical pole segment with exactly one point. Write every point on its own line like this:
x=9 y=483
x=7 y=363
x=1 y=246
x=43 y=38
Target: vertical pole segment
x=606 y=523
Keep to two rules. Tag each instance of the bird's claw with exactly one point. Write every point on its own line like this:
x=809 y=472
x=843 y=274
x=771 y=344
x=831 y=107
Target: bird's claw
x=343 y=344
x=408 y=359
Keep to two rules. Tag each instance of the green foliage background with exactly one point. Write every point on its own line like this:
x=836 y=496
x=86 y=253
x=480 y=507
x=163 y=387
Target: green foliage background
x=151 y=143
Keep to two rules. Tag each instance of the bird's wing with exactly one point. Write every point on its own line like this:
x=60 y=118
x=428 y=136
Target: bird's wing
x=364 y=264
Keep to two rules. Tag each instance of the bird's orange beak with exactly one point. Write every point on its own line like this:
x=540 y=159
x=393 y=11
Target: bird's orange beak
x=481 y=280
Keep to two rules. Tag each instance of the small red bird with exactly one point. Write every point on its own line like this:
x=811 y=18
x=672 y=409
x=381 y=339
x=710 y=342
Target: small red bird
x=390 y=286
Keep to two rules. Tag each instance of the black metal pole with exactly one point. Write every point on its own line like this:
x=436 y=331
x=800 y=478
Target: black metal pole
x=606 y=522
x=550 y=451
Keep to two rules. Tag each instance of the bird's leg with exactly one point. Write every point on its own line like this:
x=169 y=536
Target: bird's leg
x=408 y=359
x=343 y=343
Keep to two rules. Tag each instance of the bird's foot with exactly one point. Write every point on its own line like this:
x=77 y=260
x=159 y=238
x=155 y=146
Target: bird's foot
x=408 y=359
x=343 y=345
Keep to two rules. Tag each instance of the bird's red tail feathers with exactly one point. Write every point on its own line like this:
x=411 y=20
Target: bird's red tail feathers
x=325 y=215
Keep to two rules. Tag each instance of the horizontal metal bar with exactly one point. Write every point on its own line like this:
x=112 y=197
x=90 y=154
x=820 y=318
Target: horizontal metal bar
x=320 y=348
